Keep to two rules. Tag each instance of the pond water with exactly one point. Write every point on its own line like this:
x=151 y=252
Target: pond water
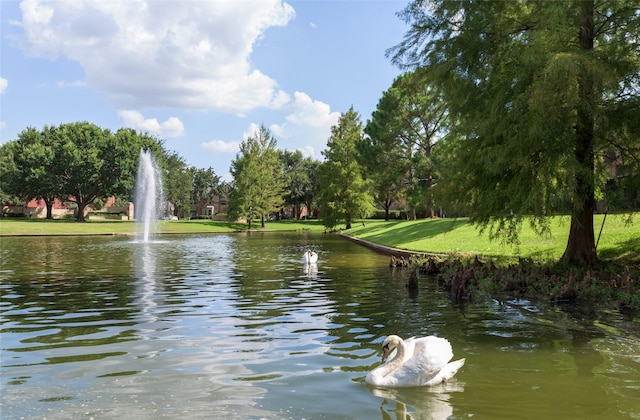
x=235 y=326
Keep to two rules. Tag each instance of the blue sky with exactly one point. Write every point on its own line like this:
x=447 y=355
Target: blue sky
x=199 y=74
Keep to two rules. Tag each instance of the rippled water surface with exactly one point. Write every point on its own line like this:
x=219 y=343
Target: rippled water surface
x=235 y=326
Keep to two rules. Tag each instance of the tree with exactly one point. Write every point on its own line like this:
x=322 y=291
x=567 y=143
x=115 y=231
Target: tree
x=382 y=147
x=34 y=167
x=536 y=91
x=344 y=194
x=408 y=120
x=258 y=183
x=94 y=163
x=81 y=169
x=206 y=185
x=76 y=162
x=8 y=172
x=178 y=184
x=299 y=172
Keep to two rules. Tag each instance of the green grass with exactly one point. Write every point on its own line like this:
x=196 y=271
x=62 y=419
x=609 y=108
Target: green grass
x=15 y=226
x=619 y=240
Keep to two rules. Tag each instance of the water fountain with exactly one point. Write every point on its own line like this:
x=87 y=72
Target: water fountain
x=148 y=194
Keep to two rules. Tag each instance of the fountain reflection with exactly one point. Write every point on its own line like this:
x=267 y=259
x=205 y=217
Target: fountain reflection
x=145 y=263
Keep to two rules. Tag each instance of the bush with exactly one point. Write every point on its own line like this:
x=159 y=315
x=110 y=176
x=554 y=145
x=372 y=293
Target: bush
x=13 y=215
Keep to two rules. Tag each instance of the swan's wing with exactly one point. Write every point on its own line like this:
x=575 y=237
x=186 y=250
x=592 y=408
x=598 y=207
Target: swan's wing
x=432 y=354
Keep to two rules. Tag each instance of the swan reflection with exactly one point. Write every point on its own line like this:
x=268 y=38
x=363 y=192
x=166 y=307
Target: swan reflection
x=417 y=403
x=311 y=270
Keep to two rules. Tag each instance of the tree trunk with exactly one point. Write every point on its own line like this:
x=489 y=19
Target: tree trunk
x=49 y=205
x=80 y=215
x=430 y=213
x=581 y=248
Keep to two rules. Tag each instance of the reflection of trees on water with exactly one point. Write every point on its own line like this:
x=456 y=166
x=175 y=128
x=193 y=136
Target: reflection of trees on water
x=58 y=294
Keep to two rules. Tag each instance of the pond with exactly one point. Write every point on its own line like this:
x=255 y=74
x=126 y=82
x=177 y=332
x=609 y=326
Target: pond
x=235 y=326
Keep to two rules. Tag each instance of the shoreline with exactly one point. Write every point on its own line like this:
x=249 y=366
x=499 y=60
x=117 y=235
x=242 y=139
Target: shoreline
x=27 y=235
x=387 y=250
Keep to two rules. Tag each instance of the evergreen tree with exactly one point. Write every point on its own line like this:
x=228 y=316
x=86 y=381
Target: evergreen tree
x=344 y=194
x=407 y=122
x=258 y=182
x=537 y=91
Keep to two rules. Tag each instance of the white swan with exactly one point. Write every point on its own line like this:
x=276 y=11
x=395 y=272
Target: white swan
x=420 y=361
x=310 y=257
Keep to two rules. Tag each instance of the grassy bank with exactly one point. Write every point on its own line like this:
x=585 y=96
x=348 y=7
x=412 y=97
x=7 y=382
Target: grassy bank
x=619 y=241
x=529 y=269
x=15 y=226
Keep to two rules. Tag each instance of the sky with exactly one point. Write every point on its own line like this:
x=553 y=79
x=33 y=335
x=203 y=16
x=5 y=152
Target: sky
x=200 y=74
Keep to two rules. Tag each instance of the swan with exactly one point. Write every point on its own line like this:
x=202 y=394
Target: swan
x=420 y=361
x=310 y=257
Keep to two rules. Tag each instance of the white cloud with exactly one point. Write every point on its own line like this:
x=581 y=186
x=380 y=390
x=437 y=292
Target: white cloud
x=308 y=125
x=75 y=83
x=220 y=146
x=172 y=127
x=145 y=53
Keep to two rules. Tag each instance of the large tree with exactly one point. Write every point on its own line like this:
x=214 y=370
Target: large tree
x=258 y=182
x=344 y=193
x=383 y=147
x=94 y=163
x=75 y=162
x=537 y=91
x=34 y=167
x=407 y=122
x=81 y=167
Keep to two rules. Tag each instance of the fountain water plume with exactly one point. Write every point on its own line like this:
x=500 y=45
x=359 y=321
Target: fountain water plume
x=149 y=196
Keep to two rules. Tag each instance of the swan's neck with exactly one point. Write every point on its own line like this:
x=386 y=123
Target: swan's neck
x=396 y=362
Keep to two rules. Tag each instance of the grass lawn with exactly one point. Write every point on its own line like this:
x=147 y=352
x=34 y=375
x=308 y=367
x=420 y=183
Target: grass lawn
x=17 y=226
x=619 y=241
